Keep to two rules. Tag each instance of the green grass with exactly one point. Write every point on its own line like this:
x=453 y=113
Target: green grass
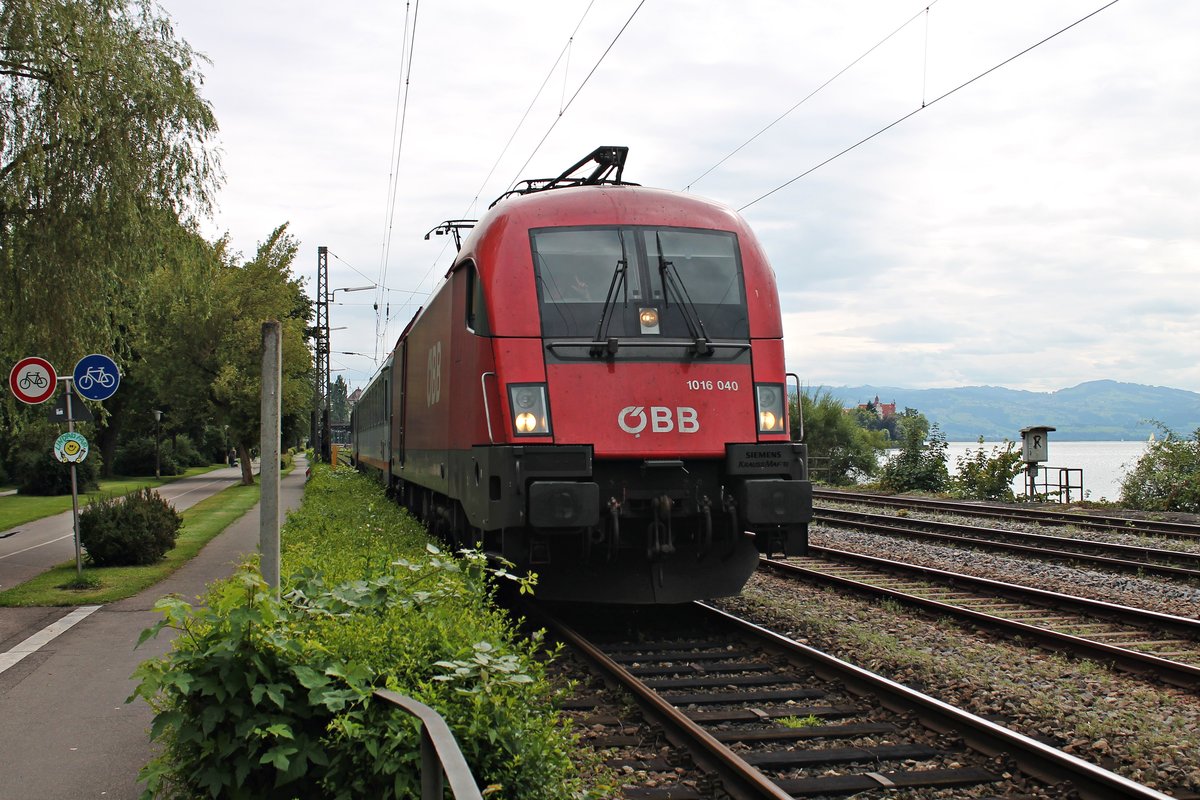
x=16 y=509
x=201 y=523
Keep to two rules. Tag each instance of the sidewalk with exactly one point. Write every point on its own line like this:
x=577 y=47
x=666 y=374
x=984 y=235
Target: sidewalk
x=65 y=729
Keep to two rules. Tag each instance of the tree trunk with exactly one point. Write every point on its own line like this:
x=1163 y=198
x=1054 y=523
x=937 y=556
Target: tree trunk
x=247 y=467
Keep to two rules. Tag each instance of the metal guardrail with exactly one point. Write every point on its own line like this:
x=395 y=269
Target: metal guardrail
x=441 y=757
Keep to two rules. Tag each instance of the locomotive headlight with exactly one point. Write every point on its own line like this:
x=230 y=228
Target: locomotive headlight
x=648 y=319
x=530 y=409
x=769 y=400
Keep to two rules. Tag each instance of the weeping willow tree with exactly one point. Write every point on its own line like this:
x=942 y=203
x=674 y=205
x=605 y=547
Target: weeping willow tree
x=105 y=146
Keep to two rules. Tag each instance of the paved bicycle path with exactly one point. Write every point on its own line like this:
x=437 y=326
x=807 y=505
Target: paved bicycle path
x=66 y=731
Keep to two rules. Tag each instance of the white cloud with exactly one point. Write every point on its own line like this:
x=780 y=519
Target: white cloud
x=1035 y=229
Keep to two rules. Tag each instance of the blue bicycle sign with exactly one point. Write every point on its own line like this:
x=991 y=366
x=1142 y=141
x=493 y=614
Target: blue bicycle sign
x=96 y=377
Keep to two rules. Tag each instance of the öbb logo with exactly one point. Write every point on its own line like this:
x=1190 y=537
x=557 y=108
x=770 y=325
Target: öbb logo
x=633 y=419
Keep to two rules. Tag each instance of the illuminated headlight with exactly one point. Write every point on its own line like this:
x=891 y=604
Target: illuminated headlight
x=648 y=319
x=769 y=399
x=530 y=410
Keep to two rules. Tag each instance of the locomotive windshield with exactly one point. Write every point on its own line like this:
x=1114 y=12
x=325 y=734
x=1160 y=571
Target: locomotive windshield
x=686 y=282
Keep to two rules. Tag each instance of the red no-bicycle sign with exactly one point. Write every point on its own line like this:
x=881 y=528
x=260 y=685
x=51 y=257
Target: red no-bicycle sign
x=33 y=380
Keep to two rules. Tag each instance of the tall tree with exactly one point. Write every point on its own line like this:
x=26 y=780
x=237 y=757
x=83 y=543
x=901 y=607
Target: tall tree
x=262 y=289
x=104 y=141
x=339 y=407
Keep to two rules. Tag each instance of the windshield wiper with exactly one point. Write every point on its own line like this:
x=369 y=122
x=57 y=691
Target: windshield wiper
x=605 y=346
x=669 y=275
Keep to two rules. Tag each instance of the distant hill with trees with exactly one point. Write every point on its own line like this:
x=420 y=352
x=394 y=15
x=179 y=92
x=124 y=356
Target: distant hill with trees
x=1096 y=410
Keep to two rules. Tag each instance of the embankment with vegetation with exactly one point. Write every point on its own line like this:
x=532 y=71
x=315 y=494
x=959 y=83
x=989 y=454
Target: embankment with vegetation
x=272 y=697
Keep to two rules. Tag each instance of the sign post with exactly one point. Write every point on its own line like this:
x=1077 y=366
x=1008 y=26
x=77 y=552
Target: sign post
x=33 y=380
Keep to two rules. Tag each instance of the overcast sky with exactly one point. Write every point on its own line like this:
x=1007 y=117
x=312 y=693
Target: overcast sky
x=1035 y=229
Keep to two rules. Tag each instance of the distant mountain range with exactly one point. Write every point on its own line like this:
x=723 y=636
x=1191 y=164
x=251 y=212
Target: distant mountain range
x=1096 y=410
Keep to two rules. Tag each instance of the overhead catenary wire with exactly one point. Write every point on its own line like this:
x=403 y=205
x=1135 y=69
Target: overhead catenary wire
x=813 y=93
x=406 y=60
x=924 y=105
x=591 y=72
x=545 y=81
x=504 y=150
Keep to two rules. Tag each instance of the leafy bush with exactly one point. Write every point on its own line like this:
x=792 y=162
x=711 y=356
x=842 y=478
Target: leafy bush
x=40 y=473
x=981 y=475
x=184 y=452
x=920 y=466
x=840 y=451
x=266 y=697
x=1167 y=476
x=136 y=456
x=136 y=529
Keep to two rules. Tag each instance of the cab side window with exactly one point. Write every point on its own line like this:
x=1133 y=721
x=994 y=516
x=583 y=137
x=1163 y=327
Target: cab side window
x=476 y=307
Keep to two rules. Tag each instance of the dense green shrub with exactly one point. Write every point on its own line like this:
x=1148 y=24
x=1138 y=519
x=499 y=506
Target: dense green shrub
x=840 y=451
x=271 y=698
x=981 y=475
x=39 y=473
x=1167 y=476
x=920 y=466
x=135 y=456
x=125 y=531
x=184 y=452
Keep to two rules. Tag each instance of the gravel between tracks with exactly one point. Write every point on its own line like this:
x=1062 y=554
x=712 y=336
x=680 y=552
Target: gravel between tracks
x=1165 y=596
x=1146 y=732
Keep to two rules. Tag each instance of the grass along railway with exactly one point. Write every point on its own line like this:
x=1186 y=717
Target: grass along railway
x=1136 y=640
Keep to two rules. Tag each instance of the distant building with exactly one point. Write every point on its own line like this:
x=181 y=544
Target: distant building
x=353 y=398
x=881 y=410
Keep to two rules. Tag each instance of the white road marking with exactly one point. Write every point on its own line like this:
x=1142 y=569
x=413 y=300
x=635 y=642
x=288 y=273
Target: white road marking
x=44 y=637
x=36 y=546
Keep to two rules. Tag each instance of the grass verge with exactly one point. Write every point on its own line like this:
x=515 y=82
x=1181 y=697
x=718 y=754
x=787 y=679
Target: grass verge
x=201 y=523
x=18 y=509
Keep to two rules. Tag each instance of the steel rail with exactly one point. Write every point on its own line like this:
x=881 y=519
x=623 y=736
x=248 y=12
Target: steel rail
x=929 y=530
x=1175 y=672
x=1034 y=758
x=740 y=779
x=1038 y=515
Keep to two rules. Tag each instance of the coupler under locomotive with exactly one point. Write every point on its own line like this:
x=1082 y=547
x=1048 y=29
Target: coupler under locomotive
x=648 y=531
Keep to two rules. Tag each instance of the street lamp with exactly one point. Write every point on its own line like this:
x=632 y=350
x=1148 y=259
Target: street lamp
x=157 y=428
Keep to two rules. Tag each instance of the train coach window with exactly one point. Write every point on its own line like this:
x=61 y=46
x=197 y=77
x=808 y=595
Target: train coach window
x=476 y=307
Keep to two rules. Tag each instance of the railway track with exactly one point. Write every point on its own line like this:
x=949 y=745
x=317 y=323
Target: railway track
x=1133 y=639
x=1048 y=517
x=1144 y=560
x=773 y=718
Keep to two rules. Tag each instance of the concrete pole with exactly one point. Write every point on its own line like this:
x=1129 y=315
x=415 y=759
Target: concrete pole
x=268 y=521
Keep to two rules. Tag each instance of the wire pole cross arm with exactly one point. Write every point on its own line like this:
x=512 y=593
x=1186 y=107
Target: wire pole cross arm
x=439 y=752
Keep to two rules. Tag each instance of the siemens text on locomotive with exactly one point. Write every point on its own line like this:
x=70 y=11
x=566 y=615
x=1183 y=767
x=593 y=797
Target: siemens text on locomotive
x=597 y=392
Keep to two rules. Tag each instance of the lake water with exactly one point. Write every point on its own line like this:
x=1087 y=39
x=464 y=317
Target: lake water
x=1104 y=464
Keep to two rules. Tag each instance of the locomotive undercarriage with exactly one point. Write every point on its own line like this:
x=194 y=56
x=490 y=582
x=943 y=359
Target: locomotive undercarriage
x=644 y=531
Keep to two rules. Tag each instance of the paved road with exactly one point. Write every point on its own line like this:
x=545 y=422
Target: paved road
x=31 y=549
x=66 y=731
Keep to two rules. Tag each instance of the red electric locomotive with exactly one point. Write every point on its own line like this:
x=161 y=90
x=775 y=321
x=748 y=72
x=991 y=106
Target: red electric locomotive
x=597 y=392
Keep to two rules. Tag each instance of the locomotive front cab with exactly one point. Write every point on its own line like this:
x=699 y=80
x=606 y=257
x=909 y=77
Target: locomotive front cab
x=659 y=434
x=597 y=393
